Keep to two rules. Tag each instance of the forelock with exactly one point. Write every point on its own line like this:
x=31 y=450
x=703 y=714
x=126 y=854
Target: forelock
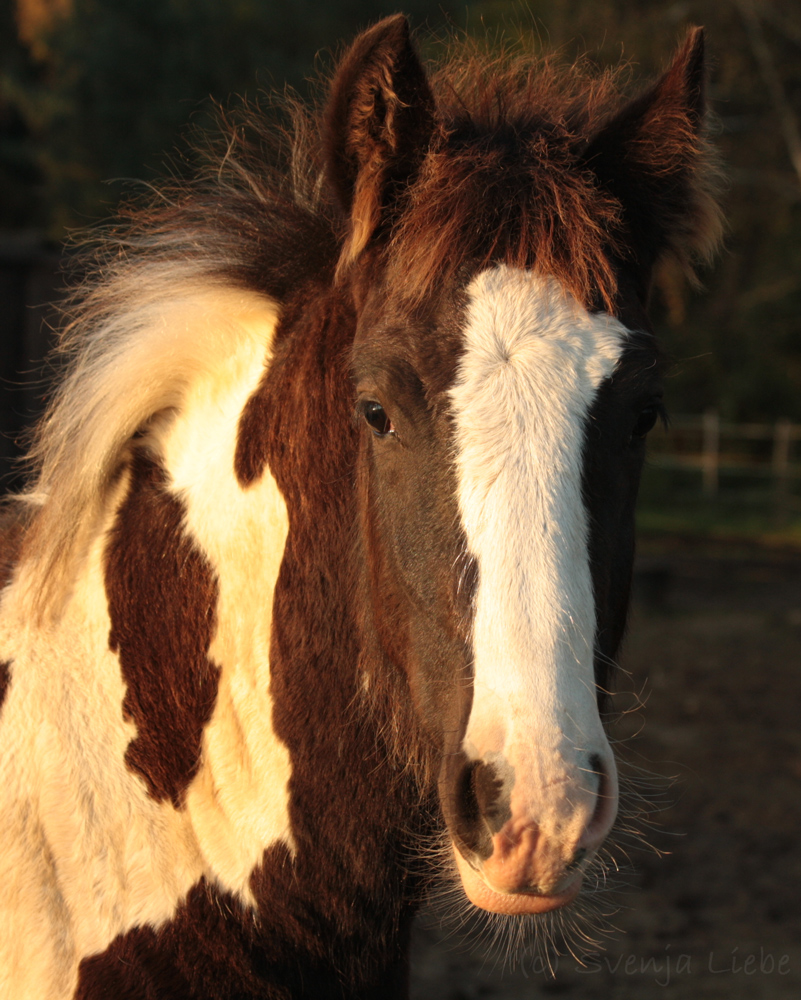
x=503 y=180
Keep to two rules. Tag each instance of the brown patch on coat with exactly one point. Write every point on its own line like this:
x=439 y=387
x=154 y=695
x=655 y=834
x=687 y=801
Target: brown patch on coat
x=133 y=967
x=213 y=948
x=162 y=597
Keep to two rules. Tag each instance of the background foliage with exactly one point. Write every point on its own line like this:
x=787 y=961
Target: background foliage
x=92 y=91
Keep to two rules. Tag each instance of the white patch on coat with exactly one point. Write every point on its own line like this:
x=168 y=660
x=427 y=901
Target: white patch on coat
x=238 y=801
x=85 y=853
x=532 y=364
x=145 y=337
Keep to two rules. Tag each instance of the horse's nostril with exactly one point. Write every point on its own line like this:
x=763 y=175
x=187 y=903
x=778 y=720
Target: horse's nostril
x=605 y=801
x=596 y=779
x=576 y=860
x=469 y=808
x=481 y=805
x=487 y=787
x=481 y=795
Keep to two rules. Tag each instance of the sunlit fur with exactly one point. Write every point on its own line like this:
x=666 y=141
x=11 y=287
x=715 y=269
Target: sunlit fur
x=496 y=204
x=186 y=314
x=118 y=859
x=147 y=337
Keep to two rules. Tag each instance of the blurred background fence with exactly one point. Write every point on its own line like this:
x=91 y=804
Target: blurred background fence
x=713 y=475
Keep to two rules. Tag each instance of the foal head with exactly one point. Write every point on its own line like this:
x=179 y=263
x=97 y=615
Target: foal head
x=502 y=233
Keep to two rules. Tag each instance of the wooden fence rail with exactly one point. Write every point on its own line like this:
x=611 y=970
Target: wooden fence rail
x=726 y=456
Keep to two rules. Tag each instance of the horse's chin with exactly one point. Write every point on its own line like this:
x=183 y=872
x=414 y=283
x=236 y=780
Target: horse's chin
x=485 y=897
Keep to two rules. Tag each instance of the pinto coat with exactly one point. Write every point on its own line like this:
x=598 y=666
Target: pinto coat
x=328 y=554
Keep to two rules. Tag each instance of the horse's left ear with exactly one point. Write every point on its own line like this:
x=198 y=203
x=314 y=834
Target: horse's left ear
x=653 y=158
x=378 y=125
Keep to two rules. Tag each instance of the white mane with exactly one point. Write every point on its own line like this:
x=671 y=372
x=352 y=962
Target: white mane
x=142 y=339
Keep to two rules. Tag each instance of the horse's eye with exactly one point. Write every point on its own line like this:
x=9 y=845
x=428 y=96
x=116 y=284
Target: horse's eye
x=376 y=417
x=645 y=421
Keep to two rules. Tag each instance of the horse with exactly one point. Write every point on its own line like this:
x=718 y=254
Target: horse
x=314 y=597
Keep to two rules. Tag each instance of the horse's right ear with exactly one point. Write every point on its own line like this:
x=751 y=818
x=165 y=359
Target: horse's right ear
x=378 y=125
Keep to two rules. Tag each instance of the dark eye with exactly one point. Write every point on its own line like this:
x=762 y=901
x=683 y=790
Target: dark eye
x=646 y=420
x=376 y=417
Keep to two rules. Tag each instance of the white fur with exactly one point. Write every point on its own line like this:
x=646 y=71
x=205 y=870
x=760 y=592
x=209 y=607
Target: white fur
x=238 y=802
x=145 y=337
x=85 y=853
x=533 y=361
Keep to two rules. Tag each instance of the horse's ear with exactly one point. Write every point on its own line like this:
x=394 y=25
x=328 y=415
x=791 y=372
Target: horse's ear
x=653 y=158
x=378 y=125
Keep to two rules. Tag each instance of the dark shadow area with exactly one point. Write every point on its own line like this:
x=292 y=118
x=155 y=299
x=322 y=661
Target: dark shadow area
x=30 y=284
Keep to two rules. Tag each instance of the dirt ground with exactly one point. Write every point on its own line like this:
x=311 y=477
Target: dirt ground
x=715 y=650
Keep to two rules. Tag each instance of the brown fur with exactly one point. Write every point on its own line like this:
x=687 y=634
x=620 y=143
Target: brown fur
x=503 y=180
x=364 y=227
x=162 y=598
x=530 y=164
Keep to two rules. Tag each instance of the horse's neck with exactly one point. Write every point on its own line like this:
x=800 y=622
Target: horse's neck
x=276 y=777
x=294 y=763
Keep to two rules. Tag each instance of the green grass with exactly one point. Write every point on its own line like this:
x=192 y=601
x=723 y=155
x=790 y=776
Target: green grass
x=673 y=503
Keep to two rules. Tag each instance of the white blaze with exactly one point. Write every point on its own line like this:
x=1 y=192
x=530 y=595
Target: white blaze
x=534 y=359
